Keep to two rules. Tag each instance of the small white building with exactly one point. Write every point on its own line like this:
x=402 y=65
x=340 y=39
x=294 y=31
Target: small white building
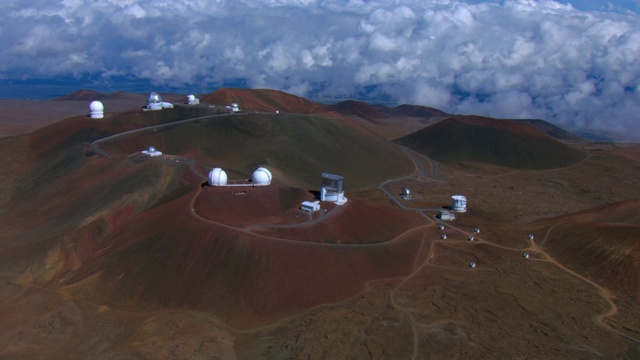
x=192 y=100
x=154 y=102
x=233 y=107
x=459 y=203
x=446 y=215
x=310 y=206
x=152 y=151
x=96 y=110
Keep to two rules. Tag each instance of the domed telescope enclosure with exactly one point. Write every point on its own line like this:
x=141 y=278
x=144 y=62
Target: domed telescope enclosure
x=154 y=102
x=152 y=151
x=217 y=177
x=192 y=100
x=458 y=203
x=406 y=194
x=96 y=110
x=261 y=176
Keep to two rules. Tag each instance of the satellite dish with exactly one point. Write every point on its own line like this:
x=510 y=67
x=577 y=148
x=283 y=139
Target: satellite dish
x=472 y=264
x=525 y=255
x=471 y=238
x=443 y=236
x=441 y=227
x=477 y=230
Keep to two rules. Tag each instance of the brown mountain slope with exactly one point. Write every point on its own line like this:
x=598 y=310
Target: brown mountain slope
x=602 y=244
x=263 y=100
x=552 y=130
x=167 y=258
x=500 y=142
x=406 y=110
x=296 y=148
x=360 y=109
x=121 y=230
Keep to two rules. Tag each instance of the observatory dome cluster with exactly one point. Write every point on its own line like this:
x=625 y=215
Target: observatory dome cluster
x=260 y=177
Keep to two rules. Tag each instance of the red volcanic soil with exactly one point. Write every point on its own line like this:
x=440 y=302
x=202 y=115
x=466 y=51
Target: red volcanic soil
x=551 y=130
x=263 y=100
x=501 y=142
x=601 y=243
x=274 y=211
x=360 y=109
x=352 y=223
x=632 y=151
x=406 y=110
x=167 y=257
x=242 y=206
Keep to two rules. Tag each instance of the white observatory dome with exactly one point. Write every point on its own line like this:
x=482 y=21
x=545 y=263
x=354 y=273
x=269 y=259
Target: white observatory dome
x=262 y=176
x=191 y=97
x=96 y=109
x=154 y=98
x=217 y=177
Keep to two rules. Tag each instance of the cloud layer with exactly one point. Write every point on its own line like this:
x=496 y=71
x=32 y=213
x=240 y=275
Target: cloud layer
x=514 y=58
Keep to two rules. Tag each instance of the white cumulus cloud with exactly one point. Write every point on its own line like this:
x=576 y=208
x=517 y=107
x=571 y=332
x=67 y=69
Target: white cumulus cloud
x=508 y=58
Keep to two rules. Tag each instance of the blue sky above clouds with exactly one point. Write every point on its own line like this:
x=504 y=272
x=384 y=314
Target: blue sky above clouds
x=573 y=64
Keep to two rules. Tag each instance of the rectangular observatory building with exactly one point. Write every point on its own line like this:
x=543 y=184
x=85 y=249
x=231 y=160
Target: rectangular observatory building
x=332 y=188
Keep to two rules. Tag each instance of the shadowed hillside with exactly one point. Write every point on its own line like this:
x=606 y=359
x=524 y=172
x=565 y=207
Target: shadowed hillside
x=500 y=142
x=551 y=130
x=360 y=109
x=601 y=243
x=296 y=148
x=406 y=110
